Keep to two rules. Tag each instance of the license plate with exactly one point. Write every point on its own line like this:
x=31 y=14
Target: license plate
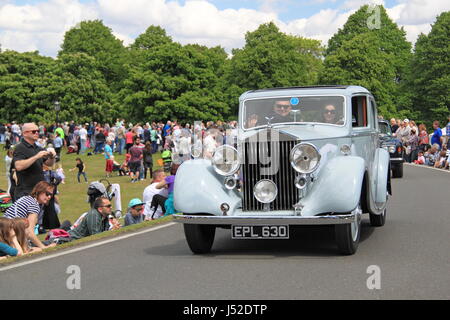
x=259 y=232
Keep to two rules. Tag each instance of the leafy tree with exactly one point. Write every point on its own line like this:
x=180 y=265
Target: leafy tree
x=375 y=54
x=169 y=80
x=81 y=89
x=429 y=80
x=95 y=39
x=271 y=58
x=25 y=80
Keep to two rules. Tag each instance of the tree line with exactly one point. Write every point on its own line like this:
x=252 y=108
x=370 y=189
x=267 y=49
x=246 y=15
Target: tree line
x=96 y=78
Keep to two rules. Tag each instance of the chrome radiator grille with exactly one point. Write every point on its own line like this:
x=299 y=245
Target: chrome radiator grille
x=274 y=166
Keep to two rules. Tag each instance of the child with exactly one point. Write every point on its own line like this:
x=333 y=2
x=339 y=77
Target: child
x=420 y=159
x=60 y=173
x=124 y=170
x=9 y=246
x=81 y=169
x=20 y=225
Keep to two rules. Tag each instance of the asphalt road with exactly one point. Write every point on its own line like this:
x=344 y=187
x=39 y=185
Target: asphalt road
x=412 y=252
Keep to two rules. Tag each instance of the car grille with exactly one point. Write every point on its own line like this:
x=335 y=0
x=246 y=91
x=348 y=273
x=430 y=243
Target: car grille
x=256 y=168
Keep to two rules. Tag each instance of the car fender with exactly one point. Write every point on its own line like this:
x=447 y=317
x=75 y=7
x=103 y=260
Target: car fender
x=199 y=189
x=337 y=188
x=379 y=181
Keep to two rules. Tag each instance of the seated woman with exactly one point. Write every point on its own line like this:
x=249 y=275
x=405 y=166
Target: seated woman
x=31 y=208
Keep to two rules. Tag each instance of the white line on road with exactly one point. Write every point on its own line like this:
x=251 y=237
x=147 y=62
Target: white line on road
x=85 y=247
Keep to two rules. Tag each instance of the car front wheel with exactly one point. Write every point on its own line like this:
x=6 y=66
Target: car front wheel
x=397 y=171
x=347 y=235
x=199 y=237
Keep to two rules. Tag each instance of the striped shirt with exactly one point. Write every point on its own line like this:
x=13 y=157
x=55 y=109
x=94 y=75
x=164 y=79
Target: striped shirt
x=23 y=207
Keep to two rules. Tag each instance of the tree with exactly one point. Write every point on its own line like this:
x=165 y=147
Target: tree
x=429 y=80
x=168 y=80
x=370 y=50
x=25 y=81
x=271 y=58
x=96 y=40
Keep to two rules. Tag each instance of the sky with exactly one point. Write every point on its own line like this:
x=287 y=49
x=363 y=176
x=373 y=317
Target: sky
x=29 y=25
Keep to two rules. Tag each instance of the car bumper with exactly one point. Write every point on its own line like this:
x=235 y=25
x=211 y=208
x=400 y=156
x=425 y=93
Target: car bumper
x=265 y=220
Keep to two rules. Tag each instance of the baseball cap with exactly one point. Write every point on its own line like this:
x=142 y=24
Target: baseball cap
x=406 y=120
x=135 y=202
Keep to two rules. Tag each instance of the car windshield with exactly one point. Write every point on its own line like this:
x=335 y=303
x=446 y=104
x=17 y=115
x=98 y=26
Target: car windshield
x=269 y=111
x=384 y=128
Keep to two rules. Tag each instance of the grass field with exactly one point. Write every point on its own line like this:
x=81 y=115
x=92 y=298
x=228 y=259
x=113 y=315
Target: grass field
x=73 y=195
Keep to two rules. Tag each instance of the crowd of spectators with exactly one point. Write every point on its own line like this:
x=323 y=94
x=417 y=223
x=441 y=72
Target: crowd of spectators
x=34 y=171
x=422 y=147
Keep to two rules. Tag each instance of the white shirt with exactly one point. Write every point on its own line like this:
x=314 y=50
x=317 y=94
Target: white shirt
x=83 y=134
x=147 y=197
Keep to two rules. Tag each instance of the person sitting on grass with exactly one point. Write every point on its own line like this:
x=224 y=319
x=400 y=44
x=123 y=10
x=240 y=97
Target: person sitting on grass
x=32 y=208
x=9 y=246
x=97 y=220
x=151 y=191
x=135 y=212
x=20 y=226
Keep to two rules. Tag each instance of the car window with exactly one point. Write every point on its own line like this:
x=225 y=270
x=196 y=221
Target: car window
x=359 y=112
x=317 y=109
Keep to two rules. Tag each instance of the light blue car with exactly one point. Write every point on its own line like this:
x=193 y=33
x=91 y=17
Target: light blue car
x=304 y=156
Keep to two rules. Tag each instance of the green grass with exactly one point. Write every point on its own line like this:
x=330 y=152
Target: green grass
x=73 y=195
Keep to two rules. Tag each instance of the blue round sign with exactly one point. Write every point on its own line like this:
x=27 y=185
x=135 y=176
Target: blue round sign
x=295 y=101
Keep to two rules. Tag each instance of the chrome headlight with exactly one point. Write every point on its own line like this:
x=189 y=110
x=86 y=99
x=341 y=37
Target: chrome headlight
x=305 y=158
x=265 y=191
x=225 y=160
x=391 y=149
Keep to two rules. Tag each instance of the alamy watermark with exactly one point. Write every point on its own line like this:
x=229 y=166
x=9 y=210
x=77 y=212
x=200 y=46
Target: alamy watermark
x=374 y=280
x=374 y=20
x=73 y=282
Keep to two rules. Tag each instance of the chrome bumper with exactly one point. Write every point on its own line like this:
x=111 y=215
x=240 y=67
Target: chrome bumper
x=265 y=220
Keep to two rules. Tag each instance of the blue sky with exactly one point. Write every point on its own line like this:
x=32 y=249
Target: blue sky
x=27 y=25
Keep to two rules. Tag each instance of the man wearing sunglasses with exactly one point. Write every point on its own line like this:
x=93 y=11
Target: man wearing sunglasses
x=281 y=113
x=135 y=212
x=95 y=221
x=28 y=161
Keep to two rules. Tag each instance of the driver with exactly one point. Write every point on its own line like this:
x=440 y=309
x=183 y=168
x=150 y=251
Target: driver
x=281 y=113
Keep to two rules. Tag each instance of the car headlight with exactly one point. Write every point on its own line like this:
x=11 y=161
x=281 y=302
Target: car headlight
x=391 y=149
x=305 y=158
x=225 y=160
x=265 y=191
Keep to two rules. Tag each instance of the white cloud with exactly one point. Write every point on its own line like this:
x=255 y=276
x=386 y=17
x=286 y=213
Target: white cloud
x=41 y=26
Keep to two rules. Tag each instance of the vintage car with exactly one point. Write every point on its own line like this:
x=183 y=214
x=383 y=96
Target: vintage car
x=305 y=156
x=394 y=146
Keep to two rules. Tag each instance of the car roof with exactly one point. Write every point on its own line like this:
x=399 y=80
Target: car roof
x=306 y=90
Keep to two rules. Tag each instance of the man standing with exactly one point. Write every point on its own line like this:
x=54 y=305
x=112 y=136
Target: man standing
x=83 y=134
x=109 y=157
x=437 y=135
x=28 y=160
x=136 y=152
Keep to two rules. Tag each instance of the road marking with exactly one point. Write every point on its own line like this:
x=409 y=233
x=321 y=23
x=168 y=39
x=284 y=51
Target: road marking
x=85 y=247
